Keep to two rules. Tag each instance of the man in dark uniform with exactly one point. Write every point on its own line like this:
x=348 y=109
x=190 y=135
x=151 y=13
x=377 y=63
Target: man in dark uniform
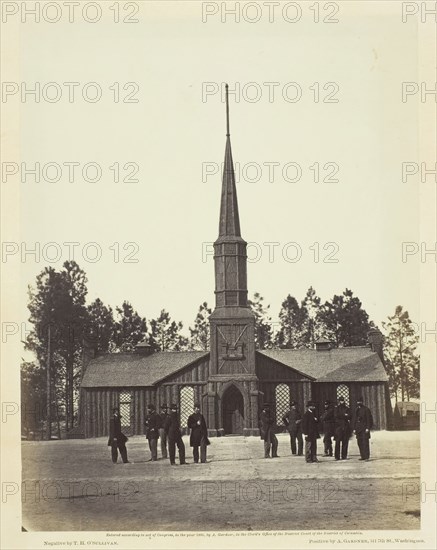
x=173 y=431
x=199 y=434
x=152 y=424
x=311 y=432
x=293 y=422
x=328 y=427
x=362 y=426
x=162 y=435
x=342 y=417
x=267 y=422
x=117 y=439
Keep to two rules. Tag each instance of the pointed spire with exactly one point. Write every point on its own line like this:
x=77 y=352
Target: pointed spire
x=229 y=218
x=227 y=110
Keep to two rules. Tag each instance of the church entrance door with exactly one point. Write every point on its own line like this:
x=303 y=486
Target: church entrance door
x=233 y=411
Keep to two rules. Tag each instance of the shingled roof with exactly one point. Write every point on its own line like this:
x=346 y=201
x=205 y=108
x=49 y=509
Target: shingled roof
x=354 y=364
x=133 y=369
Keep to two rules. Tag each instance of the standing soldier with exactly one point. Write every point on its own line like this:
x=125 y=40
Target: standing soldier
x=342 y=416
x=328 y=427
x=173 y=431
x=293 y=422
x=266 y=431
x=152 y=424
x=117 y=439
x=311 y=432
x=162 y=419
x=199 y=434
x=363 y=425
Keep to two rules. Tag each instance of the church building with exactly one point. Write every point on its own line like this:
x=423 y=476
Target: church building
x=233 y=379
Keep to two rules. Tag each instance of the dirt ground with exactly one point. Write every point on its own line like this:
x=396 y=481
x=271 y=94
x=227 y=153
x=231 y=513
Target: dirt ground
x=73 y=486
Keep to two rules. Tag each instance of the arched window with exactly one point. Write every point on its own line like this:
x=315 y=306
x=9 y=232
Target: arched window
x=343 y=391
x=186 y=404
x=282 y=401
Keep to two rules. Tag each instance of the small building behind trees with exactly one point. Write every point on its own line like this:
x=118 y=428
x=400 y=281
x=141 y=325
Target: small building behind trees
x=406 y=415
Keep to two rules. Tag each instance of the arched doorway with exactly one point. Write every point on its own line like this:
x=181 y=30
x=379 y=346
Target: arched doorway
x=233 y=411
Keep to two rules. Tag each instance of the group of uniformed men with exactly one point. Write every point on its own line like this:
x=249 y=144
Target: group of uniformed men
x=166 y=427
x=337 y=423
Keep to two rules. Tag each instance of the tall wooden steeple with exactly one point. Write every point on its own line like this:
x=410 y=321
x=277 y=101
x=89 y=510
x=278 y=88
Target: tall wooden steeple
x=230 y=249
x=232 y=322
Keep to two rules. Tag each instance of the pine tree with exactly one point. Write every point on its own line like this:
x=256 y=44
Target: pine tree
x=166 y=334
x=344 y=320
x=199 y=334
x=58 y=314
x=403 y=366
x=130 y=328
x=101 y=328
x=263 y=322
x=292 y=322
x=312 y=324
x=33 y=397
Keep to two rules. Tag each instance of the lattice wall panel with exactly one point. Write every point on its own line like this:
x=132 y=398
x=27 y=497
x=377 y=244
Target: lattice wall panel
x=186 y=404
x=282 y=401
x=125 y=401
x=343 y=391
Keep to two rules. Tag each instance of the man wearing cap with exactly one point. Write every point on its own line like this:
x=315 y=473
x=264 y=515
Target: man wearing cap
x=342 y=430
x=117 y=439
x=311 y=432
x=173 y=431
x=199 y=434
x=267 y=434
x=152 y=424
x=293 y=423
x=162 y=435
x=328 y=427
x=362 y=426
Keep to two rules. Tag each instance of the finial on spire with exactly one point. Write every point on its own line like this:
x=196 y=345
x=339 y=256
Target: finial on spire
x=227 y=111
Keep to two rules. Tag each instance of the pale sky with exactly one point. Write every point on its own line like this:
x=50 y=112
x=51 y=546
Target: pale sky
x=174 y=130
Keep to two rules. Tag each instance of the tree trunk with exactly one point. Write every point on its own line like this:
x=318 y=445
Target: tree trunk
x=66 y=401
x=70 y=390
x=49 y=386
x=401 y=359
x=57 y=420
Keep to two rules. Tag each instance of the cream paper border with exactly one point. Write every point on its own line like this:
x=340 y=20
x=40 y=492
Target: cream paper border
x=12 y=537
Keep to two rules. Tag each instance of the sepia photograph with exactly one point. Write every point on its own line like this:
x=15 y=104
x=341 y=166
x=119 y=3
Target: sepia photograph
x=218 y=274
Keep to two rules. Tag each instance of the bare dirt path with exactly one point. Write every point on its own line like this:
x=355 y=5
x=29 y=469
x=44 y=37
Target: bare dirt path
x=72 y=485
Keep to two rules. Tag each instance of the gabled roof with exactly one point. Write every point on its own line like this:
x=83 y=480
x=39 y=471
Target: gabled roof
x=133 y=369
x=407 y=406
x=355 y=364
